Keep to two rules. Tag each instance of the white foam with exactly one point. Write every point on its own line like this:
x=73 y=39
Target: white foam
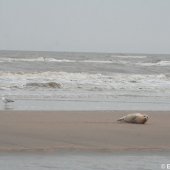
x=160 y=63
x=93 y=82
x=21 y=59
x=59 y=61
x=50 y=59
x=36 y=59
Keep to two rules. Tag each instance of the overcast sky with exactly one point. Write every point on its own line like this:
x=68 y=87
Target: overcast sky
x=141 y=26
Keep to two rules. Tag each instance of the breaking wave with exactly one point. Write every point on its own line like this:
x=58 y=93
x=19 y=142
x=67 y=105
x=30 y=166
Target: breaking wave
x=122 y=60
x=54 y=60
x=86 y=81
x=38 y=59
x=44 y=85
x=159 y=63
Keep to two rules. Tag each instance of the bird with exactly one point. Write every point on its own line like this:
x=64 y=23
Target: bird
x=6 y=100
x=134 y=118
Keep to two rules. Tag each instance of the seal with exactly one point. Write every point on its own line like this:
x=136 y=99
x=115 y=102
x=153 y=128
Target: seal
x=134 y=118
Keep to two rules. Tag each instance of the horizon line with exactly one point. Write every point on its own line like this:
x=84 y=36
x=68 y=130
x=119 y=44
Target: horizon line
x=122 y=53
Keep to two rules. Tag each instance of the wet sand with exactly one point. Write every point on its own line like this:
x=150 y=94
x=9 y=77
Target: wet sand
x=81 y=130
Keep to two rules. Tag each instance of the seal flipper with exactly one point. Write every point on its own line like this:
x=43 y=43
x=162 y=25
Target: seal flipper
x=122 y=118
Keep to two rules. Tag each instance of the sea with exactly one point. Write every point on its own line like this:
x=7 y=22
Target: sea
x=85 y=161
x=84 y=81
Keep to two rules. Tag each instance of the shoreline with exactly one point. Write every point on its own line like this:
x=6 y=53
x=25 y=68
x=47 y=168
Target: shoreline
x=123 y=103
x=91 y=131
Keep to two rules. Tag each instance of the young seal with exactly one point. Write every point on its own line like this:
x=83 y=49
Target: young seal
x=134 y=118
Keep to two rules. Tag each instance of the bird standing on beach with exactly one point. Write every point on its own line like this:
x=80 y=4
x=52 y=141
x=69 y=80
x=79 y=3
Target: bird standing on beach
x=5 y=100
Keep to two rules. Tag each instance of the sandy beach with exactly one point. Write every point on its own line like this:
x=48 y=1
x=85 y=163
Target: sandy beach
x=81 y=130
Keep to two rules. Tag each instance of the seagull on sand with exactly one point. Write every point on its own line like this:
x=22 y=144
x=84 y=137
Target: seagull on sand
x=6 y=100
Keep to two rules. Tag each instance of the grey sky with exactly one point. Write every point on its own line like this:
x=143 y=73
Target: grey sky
x=85 y=25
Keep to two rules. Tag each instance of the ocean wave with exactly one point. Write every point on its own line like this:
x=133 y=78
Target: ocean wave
x=105 y=61
x=55 y=60
x=59 y=61
x=51 y=60
x=96 y=61
x=44 y=85
x=129 y=56
x=159 y=63
x=86 y=81
x=36 y=59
